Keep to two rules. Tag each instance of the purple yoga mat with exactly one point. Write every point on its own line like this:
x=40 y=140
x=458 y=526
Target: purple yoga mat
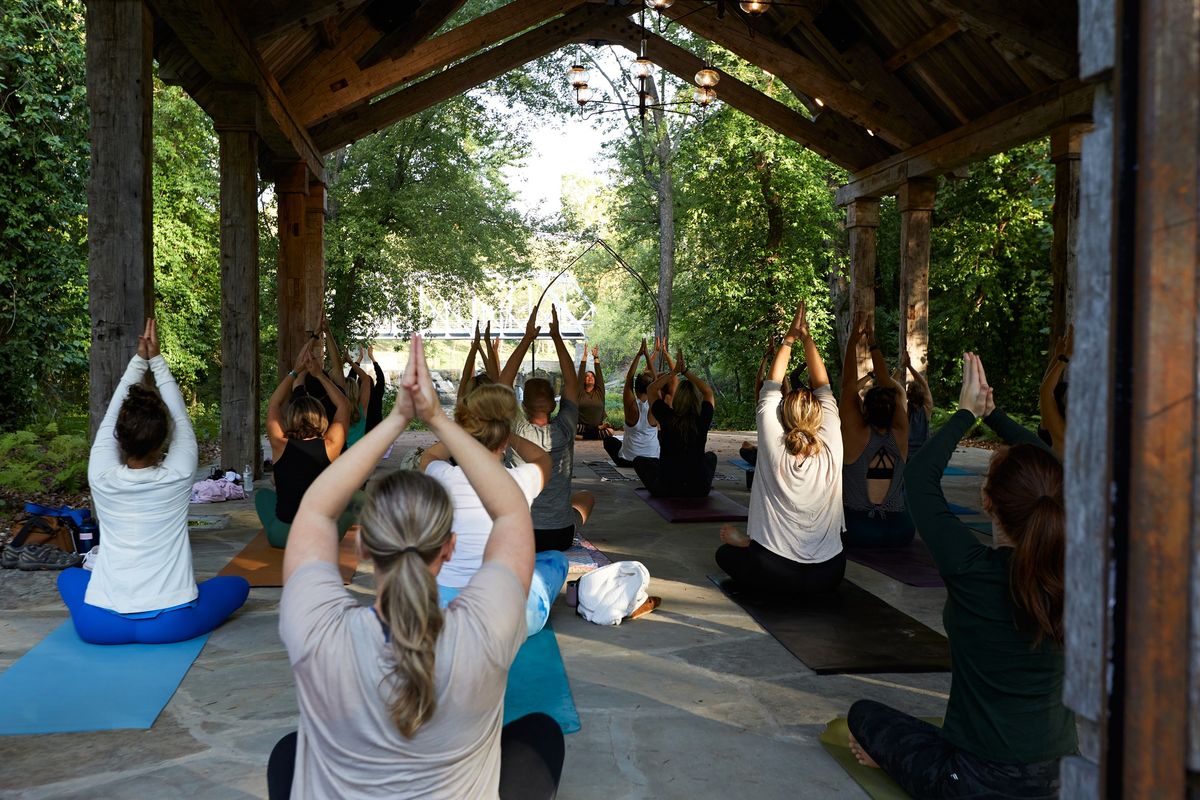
x=716 y=507
x=911 y=564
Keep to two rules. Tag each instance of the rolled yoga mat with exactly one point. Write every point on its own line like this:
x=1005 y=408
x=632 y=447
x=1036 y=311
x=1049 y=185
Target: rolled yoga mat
x=849 y=630
x=65 y=685
x=875 y=782
x=912 y=564
x=715 y=507
x=537 y=681
x=262 y=564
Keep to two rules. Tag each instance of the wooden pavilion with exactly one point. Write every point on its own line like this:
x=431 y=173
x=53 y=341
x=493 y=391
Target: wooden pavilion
x=896 y=91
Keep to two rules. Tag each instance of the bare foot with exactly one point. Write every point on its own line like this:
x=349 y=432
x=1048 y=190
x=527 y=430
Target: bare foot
x=732 y=536
x=863 y=757
x=748 y=445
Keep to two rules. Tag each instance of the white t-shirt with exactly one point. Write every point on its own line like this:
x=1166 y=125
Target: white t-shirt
x=641 y=439
x=348 y=747
x=146 y=561
x=472 y=526
x=796 y=503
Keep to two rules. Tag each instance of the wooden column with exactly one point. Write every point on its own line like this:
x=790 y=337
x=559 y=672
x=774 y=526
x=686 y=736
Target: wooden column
x=314 y=260
x=120 y=201
x=235 y=127
x=916 y=217
x=862 y=222
x=291 y=189
x=1064 y=152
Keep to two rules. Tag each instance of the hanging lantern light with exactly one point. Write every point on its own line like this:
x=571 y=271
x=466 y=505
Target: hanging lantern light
x=582 y=95
x=707 y=78
x=578 y=75
x=641 y=67
x=756 y=8
x=659 y=5
x=704 y=96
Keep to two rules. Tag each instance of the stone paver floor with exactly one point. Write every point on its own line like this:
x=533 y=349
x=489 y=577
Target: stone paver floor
x=692 y=701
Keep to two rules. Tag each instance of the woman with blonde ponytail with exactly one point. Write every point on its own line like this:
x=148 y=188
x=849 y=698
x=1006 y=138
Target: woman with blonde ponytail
x=794 y=542
x=403 y=698
x=1006 y=726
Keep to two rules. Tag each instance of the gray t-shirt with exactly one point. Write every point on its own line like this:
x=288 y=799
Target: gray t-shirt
x=348 y=746
x=796 y=503
x=552 y=508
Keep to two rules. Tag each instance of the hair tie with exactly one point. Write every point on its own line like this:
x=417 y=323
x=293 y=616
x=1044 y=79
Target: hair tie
x=410 y=549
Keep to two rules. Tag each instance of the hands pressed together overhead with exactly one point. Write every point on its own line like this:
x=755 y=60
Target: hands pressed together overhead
x=148 y=341
x=976 y=395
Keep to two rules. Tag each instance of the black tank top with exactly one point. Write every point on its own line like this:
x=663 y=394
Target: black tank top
x=302 y=461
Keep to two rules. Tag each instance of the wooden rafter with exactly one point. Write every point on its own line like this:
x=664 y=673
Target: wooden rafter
x=215 y=38
x=899 y=120
x=1006 y=127
x=332 y=82
x=1013 y=33
x=922 y=45
x=263 y=19
x=840 y=146
x=358 y=122
x=429 y=16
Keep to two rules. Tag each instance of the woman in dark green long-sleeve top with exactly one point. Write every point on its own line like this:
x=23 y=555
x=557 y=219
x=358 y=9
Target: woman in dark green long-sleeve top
x=1006 y=727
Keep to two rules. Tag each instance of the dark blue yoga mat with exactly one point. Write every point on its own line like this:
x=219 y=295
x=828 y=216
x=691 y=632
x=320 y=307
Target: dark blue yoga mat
x=957 y=472
x=537 y=681
x=742 y=464
x=65 y=685
x=962 y=511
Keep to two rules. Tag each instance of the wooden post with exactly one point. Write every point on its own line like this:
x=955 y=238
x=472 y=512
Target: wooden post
x=1064 y=152
x=916 y=216
x=862 y=222
x=120 y=201
x=314 y=259
x=291 y=189
x=235 y=127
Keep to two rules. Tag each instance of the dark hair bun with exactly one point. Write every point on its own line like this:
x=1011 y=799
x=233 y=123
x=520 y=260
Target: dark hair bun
x=142 y=424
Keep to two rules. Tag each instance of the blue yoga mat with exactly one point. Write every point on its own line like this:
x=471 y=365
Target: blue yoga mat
x=962 y=511
x=958 y=472
x=742 y=464
x=537 y=681
x=65 y=685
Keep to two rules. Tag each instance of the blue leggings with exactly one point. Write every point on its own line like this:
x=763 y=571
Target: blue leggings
x=549 y=575
x=219 y=597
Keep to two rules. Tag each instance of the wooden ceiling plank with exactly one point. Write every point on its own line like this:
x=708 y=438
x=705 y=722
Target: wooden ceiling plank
x=262 y=20
x=429 y=16
x=215 y=38
x=332 y=83
x=355 y=124
x=886 y=117
x=841 y=146
x=1012 y=125
x=922 y=45
x=1033 y=42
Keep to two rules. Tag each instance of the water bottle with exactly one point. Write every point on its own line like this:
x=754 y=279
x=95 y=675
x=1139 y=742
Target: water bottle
x=88 y=531
x=248 y=479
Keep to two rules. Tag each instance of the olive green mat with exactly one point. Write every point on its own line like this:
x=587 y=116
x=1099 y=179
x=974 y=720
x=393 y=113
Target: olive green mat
x=875 y=782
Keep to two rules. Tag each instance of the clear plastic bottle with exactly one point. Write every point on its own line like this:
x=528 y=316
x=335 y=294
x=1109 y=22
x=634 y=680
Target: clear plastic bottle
x=248 y=479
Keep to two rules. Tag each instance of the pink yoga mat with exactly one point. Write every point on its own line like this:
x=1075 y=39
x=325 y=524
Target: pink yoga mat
x=911 y=564
x=716 y=507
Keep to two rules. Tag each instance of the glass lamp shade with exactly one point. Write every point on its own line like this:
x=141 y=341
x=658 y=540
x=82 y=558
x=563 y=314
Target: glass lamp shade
x=659 y=5
x=755 y=8
x=583 y=94
x=704 y=95
x=707 y=78
x=578 y=75
x=641 y=67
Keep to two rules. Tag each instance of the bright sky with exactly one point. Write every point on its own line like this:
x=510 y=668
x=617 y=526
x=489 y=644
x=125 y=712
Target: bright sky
x=560 y=148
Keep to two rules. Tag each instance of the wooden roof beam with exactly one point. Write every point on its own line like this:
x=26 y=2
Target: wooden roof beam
x=839 y=146
x=429 y=16
x=359 y=122
x=332 y=83
x=922 y=44
x=1009 y=30
x=264 y=19
x=1006 y=127
x=215 y=38
x=891 y=113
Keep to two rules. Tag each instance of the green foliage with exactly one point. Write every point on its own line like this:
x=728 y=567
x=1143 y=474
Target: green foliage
x=39 y=461
x=43 y=257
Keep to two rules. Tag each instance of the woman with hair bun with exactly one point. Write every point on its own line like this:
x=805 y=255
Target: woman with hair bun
x=142 y=588
x=403 y=698
x=1006 y=726
x=794 y=545
x=487 y=414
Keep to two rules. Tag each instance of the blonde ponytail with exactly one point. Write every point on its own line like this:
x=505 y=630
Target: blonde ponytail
x=405 y=523
x=487 y=413
x=801 y=415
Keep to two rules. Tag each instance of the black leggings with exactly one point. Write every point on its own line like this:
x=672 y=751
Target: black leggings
x=670 y=485
x=612 y=446
x=375 y=403
x=757 y=569
x=553 y=538
x=914 y=753
x=531 y=760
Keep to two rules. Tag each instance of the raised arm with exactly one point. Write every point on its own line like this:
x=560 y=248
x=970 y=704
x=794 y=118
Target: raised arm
x=105 y=452
x=849 y=407
x=1052 y=419
x=650 y=359
x=924 y=386
x=532 y=453
x=570 y=390
x=485 y=353
x=884 y=378
x=336 y=358
x=705 y=390
x=599 y=372
x=768 y=358
x=335 y=434
x=468 y=373
x=628 y=398
x=509 y=373
x=365 y=382
x=277 y=405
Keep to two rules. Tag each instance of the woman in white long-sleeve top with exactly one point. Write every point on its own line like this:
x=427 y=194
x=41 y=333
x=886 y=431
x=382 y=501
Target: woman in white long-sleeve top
x=142 y=587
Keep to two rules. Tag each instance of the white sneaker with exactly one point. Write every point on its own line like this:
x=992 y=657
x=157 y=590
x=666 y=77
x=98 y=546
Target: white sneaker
x=89 y=558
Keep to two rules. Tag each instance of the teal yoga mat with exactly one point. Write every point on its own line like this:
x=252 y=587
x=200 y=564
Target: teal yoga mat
x=65 y=685
x=537 y=681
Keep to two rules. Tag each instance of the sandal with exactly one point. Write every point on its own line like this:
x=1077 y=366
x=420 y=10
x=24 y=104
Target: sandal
x=645 y=608
x=42 y=557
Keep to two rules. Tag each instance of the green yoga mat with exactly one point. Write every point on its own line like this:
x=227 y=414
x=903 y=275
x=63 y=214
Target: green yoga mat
x=874 y=782
x=537 y=681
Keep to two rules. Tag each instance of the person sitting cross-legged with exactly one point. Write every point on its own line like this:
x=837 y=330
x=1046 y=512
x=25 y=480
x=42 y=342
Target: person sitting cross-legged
x=641 y=436
x=794 y=546
x=683 y=468
x=402 y=698
x=142 y=588
x=1006 y=726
